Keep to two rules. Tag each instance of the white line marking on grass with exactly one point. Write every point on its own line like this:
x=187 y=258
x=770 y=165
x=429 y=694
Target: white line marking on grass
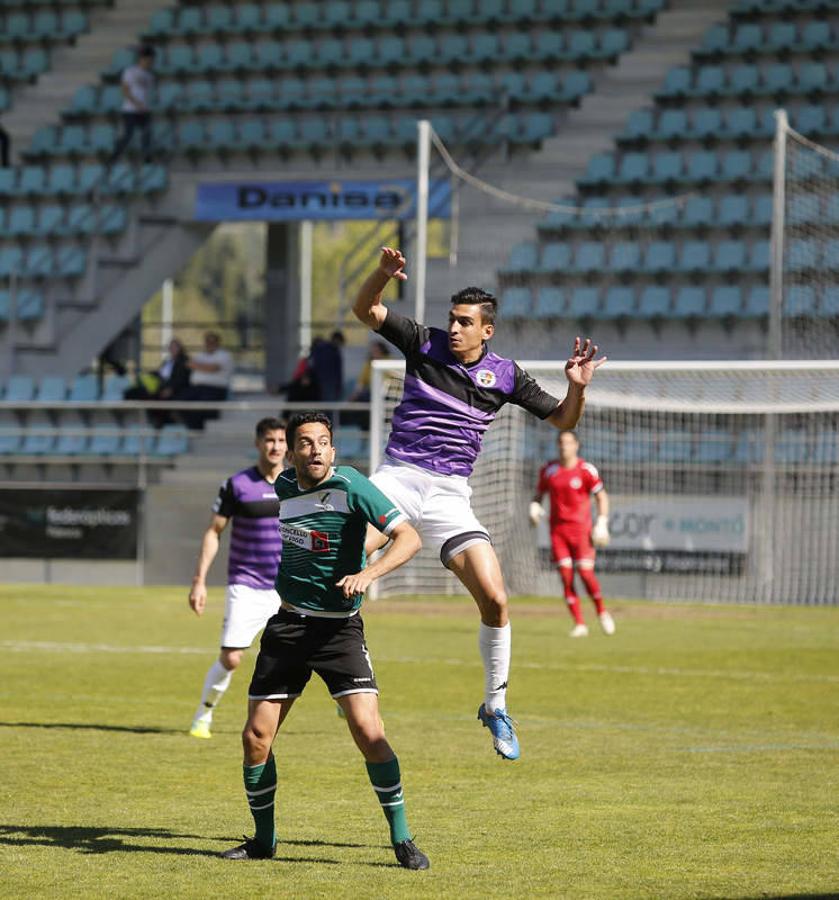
x=729 y=674
x=763 y=748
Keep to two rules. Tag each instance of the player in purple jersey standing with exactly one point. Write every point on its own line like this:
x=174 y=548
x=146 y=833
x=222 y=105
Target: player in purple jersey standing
x=454 y=388
x=249 y=499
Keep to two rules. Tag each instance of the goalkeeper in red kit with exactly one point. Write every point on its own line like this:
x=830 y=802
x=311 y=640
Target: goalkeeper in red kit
x=569 y=482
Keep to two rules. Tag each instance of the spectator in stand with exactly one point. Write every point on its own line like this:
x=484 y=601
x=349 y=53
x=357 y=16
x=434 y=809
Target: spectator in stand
x=137 y=85
x=5 y=144
x=211 y=372
x=361 y=391
x=326 y=362
x=170 y=380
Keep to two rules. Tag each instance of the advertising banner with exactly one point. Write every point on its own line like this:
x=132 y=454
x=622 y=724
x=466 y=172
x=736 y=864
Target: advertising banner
x=295 y=201
x=59 y=523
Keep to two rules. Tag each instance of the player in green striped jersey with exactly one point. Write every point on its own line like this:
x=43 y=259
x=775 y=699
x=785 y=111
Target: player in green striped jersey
x=323 y=574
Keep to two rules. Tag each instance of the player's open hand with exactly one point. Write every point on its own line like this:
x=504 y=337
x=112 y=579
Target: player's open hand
x=392 y=263
x=581 y=365
x=353 y=585
x=198 y=598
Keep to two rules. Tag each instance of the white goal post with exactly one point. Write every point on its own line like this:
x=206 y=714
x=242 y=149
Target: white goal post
x=723 y=480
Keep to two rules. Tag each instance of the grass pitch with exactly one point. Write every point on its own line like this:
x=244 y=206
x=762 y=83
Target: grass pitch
x=695 y=754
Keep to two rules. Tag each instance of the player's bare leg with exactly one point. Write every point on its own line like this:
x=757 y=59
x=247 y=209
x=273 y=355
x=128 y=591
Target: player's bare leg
x=260 y=775
x=367 y=729
x=478 y=569
x=216 y=682
x=565 y=566
x=585 y=569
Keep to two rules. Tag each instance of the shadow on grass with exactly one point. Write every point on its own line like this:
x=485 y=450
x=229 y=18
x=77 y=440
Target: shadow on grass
x=95 y=726
x=97 y=840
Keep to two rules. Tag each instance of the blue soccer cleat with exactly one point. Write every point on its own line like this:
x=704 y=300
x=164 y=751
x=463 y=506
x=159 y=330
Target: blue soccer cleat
x=503 y=732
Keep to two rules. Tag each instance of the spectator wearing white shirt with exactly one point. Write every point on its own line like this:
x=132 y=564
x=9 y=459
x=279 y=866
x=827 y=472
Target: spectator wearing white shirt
x=137 y=85
x=210 y=379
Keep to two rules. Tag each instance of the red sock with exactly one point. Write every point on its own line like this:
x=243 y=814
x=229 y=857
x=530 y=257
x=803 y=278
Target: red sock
x=566 y=573
x=593 y=587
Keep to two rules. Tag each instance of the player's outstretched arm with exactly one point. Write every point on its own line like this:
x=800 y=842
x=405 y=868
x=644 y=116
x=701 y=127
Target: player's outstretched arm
x=600 y=536
x=368 y=306
x=206 y=555
x=579 y=370
x=405 y=543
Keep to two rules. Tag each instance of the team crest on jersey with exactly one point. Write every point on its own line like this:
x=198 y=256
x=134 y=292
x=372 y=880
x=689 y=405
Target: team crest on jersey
x=576 y=483
x=485 y=378
x=322 y=501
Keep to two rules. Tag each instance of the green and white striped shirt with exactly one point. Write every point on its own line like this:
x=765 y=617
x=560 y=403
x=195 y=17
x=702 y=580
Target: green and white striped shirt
x=323 y=531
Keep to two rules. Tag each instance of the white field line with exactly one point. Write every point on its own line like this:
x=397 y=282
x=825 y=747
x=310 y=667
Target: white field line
x=730 y=674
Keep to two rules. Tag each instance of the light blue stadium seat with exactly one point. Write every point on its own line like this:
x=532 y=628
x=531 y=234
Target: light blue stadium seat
x=714 y=446
x=740 y=122
x=803 y=254
x=625 y=256
x=811 y=120
x=748 y=38
x=555 y=257
x=659 y=257
x=678 y=82
x=698 y=212
x=619 y=301
x=737 y=165
x=726 y=300
x=824 y=450
x=516 y=303
x=551 y=303
x=694 y=257
x=85 y=388
x=706 y=123
x=20 y=389
x=757 y=301
x=30 y=304
x=729 y=257
x=590 y=256
x=781 y=36
x=105 y=439
x=584 y=302
x=639 y=125
x=52 y=389
x=173 y=440
x=200 y=95
x=733 y=211
x=710 y=80
x=716 y=39
x=799 y=300
x=276 y=17
x=248 y=17
x=634 y=167
x=742 y=81
x=39 y=437
x=777 y=79
x=114 y=388
x=667 y=167
x=21 y=222
x=690 y=301
x=637 y=446
x=221 y=134
x=816 y=36
x=749 y=447
x=672 y=123
x=72 y=438
x=220 y=19
x=654 y=301
x=702 y=166
x=813 y=78
x=524 y=257
x=600 y=170
x=11 y=260
x=762 y=210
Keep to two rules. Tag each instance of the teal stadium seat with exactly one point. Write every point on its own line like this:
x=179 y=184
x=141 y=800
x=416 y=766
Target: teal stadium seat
x=52 y=389
x=590 y=257
x=698 y=213
x=799 y=300
x=619 y=302
x=523 y=258
x=694 y=257
x=690 y=302
x=172 y=441
x=625 y=257
x=726 y=300
x=675 y=446
x=555 y=257
x=729 y=257
x=584 y=302
x=659 y=258
x=85 y=388
x=551 y=303
x=516 y=303
x=654 y=302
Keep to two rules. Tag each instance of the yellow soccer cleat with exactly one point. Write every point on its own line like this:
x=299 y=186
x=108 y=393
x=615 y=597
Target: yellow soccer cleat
x=200 y=729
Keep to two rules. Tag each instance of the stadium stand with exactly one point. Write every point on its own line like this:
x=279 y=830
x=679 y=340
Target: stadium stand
x=707 y=137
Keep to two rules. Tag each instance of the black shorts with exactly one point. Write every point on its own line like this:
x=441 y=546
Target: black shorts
x=293 y=646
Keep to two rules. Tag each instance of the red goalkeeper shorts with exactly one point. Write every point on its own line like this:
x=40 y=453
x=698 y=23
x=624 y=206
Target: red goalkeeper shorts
x=570 y=542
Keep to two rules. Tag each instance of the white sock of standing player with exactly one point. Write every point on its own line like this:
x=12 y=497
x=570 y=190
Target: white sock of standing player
x=216 y=682
x=495 y=647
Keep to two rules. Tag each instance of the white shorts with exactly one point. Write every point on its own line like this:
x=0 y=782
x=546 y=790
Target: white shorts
x=436 y=505
x=245 y=613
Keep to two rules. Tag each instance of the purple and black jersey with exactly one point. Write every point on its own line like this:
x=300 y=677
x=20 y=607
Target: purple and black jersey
x=447 y=406
x=255 y=543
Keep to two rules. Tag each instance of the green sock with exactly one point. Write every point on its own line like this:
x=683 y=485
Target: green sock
x=388 y=787
x=260 y=787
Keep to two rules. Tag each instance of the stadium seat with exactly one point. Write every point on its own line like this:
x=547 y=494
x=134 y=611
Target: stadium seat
x=523 y=258
x=733 y=211
x=799 y=300
x=726 y=300
x=757 y=301
x=619 y=301
x=698 y=213
x=85 y=389
x=690 y=301
x=590 y=257
x=654 y=302
x=516 y=303
x=72 y=436
x=714 y=446
x=40 y=436
x=105 y=439
x=694 y=257
x=114 y=388
x=173 y=440
x=52 y=389
x=729 y=257
x=584 y=302
x=20 y=389
x=792 y=447
x=659 y=258
x=625 y=257
x=675 y=447
x=551 y=303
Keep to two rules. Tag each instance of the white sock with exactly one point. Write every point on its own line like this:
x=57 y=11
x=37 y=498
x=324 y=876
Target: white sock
x=494 y=644
x=216 y=683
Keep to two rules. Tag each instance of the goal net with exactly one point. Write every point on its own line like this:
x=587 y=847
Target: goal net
x=722 y=479
x=805 y=277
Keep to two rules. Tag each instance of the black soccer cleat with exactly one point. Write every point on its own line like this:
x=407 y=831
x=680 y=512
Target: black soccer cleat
x=251 y=849
x=409 y=856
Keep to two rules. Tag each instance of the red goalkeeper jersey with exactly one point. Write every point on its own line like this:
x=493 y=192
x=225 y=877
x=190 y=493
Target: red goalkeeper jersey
x=569 y=491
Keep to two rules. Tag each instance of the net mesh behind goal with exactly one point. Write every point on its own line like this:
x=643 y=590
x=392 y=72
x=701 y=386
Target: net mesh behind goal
x=722 y=480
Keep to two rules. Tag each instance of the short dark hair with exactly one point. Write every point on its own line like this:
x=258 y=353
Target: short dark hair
x=305 y=418
x=475 y=296
x=146 y=51
x=270 y=423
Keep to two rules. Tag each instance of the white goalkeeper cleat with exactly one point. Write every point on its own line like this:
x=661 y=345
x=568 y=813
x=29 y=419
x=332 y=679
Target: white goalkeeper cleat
x=579 y=631
x=607 y=623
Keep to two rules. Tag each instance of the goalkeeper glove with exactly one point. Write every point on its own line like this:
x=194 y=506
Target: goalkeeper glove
x=536 y=513
x=600 y=532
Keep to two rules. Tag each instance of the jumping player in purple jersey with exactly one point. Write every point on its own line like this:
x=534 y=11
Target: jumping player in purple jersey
x=249 y=499
x=454 y=388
